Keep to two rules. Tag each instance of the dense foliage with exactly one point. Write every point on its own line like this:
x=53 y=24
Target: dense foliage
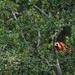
x=26 y=31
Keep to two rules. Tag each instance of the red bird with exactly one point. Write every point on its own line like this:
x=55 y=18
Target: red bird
x=61 y=46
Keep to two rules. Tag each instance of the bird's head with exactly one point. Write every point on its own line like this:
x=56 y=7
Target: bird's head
x=57 y=46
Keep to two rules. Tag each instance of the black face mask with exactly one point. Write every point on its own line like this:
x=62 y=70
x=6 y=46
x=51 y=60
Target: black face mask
x=56 y=46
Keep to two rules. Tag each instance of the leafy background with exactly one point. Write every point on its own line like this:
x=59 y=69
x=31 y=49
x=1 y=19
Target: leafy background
x=26 y=31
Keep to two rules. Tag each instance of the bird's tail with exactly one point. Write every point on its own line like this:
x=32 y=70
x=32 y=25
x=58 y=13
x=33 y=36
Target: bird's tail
x=69 y=48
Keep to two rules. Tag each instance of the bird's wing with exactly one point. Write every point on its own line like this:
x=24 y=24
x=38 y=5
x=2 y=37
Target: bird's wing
x=62 y=44
x=65 y=47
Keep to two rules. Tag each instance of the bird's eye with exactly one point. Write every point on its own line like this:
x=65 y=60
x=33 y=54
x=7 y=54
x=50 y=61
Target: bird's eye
x=56 y=44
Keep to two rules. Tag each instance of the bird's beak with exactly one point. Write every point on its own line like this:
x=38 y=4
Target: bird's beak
x=55 y=45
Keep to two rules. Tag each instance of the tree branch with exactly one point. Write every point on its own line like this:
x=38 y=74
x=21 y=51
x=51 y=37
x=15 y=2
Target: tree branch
x=14 y=15
x=58 y=68
x=48 y=16
x=55 y=54
x=25 y=40
x=69 y=5
x=47 y=62
x=38 y=41
x=42 y=11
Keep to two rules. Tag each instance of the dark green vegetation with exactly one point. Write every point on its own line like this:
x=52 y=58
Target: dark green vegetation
x=26 y=31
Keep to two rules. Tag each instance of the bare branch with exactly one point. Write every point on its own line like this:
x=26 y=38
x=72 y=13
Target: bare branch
x=57 y=33
x=38 y=42
x=58 y=68
x=48 y=16
x=25 y=40
x=55 y=54
x=42 y=11
x=14 y=15
x=54 y=51
x=69 y=4
x=47 y=62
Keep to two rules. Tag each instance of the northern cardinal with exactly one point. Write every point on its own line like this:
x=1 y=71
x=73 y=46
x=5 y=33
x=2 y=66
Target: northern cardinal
x=61 y=46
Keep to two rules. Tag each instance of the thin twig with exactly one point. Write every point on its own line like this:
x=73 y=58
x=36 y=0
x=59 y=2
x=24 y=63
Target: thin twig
x=25 y=40
x=38 y=41
x=14 y=15
x=42 y=11
x=48 y=16
x=47 y=62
